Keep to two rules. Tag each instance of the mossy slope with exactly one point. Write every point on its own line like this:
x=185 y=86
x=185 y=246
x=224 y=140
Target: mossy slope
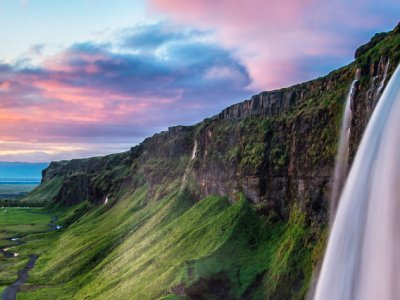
x=175 y=246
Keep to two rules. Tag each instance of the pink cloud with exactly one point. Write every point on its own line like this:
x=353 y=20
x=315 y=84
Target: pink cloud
x=91 y=92
x=5 y=85
x=273 y=37
x=265 y=34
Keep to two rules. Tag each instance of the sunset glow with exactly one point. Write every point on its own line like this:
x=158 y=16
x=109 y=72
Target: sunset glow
x=69 y=92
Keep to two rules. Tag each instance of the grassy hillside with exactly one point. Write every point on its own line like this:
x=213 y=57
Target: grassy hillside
x=172 y=248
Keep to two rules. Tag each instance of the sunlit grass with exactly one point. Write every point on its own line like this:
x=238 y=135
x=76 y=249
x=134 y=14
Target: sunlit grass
x=14 y=221
x=144 y=250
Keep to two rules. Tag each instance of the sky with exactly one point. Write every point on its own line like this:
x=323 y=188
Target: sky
x=83 y=78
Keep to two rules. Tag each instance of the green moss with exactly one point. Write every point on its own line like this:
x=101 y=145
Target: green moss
x=293 y=258
x=278 y=157
x=254 y=130
x=233 y=153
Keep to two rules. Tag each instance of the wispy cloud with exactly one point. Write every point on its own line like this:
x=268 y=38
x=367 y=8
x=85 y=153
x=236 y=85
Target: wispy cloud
x=45 y=152
x=23 y=3
x=284 y=42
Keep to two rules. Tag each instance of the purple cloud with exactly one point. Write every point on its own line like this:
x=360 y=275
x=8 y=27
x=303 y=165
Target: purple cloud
x=122 y=91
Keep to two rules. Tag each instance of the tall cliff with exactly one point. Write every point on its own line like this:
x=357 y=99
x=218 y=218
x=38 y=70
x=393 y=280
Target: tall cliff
x=276 y=148
x=272 y=156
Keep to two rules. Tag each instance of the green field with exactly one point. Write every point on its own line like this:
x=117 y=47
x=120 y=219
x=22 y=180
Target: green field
x=16 y=222
x=22 y=223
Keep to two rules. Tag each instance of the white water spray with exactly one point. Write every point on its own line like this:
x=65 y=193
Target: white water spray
x=362 y=260
x=342 y=157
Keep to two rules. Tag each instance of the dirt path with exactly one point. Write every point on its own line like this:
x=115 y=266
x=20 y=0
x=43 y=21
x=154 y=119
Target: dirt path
x=10 y=293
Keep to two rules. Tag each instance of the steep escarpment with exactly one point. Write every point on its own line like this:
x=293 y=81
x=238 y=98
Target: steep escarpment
x=275 y=156
x=158 y=161
x=281 y=145
x=280 y=156
x=234 y=207
x=276 y=147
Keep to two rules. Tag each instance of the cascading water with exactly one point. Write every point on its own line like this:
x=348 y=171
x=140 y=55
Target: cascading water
x=382 y=83
x=342 y=157
x=362 y=260
x=187 y=170
x=106 y=200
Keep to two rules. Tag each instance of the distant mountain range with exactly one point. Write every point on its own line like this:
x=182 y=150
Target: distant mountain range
x=21 y=171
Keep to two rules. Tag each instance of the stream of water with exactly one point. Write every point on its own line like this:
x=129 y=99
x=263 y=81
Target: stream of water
x=342 y=157
x=362 y=260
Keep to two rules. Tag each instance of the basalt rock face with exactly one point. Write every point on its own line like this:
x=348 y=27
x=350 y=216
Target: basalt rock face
x=272 y=103
x=278 y=148
x=296 y=132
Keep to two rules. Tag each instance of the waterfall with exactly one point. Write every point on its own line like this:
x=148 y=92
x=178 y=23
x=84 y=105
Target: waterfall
x=106 y=200
x=382 y=83
x=187 y=170
x=194 y=150
x=362 y=260
x=342 y=157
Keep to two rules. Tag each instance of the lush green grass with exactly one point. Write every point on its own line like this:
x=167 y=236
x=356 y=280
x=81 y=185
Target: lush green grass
x=146 y=250
x=45 y=192
x=18 y=222
x=9 y=269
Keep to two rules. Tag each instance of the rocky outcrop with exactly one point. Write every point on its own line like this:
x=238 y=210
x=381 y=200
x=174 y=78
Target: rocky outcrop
x=157 y=160
x=377 y=38
x=86 y=179
x=271 y=103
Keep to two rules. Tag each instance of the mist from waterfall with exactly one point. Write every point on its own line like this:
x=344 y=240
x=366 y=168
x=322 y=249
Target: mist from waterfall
x=362 y=260
x=342 y=157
